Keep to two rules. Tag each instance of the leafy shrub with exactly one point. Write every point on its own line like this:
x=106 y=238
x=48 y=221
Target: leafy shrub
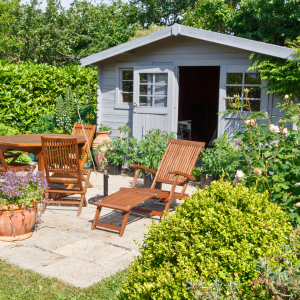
x=103 y=127
x=222 y=160
x=7 y=130
x=150 y=151
x=216 y=233
x=270 y=158
x=29 y=90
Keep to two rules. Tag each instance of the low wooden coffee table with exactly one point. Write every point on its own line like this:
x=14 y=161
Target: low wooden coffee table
x=32 y=143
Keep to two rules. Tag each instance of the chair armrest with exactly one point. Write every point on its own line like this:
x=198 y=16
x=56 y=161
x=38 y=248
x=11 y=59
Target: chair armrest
x=144 y=168
x=182 y=174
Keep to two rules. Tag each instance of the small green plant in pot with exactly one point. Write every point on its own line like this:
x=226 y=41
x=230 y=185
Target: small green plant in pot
x=20 y=195
x=117 y=151
x=150 y=151
x=220 y=161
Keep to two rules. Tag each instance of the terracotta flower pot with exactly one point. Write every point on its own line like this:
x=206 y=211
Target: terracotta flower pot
x=102 y=136
x=16 y=222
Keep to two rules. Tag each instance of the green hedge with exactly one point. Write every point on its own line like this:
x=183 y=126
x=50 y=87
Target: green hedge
x=217 y=233
x=29 y=90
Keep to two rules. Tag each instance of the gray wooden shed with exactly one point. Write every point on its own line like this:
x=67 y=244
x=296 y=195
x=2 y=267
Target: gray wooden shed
x=179 y=74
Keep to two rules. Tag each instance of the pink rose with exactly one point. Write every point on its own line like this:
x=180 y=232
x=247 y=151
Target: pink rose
x=257 y=172
x=298 y=204
x=239 y=176
x=274 y=128
x=250 y=122
x=266 y=113
x=284 y=131
x=286 y=97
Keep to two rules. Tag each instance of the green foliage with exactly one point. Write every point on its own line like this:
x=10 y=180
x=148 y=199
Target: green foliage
x=271 y=155
x=7 y=130
x=210 y=15
x=18 y=283
x=150 y=151
x=222 y=160
x=29 y=90
x=118 y=148
x=59 y=36
x=145 y=31
x=197 y=173
x=281 y=75
x=216 y=233
x=160 y=12
x=269 y=21
x=103 y=127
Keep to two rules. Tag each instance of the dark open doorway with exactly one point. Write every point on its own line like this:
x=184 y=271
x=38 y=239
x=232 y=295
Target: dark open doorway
x=199 y=100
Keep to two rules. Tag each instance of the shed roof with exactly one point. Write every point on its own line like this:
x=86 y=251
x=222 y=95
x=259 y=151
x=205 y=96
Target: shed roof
x=206 y=35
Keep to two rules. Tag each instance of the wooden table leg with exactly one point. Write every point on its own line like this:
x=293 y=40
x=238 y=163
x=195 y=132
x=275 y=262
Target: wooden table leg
x=40 y=158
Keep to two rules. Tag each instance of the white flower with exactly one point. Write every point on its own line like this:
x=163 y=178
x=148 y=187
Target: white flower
x=298 y=204
x=298 y=183
x=239 y=176
x=286 y=97
x=250 y=122
x=284 y=131
x=238 y=141
x=274 y=128
x=257 y=172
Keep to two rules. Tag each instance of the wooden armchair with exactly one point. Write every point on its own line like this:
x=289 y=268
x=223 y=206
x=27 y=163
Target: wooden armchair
x=62 y=166
x=175 y=169
x=12 y=166
x=89 y=132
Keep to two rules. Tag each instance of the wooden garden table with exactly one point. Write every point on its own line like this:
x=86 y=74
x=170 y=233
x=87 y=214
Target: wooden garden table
x=32 y=143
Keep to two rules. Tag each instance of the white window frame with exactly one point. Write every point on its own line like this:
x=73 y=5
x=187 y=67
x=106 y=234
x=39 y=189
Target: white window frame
x=243 y=85
x=118 y=90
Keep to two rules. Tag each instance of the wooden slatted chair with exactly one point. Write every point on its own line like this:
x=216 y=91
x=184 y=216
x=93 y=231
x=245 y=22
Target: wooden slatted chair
x=89 y=132
x=175 y=169
x=62 y=166
x=12 y=166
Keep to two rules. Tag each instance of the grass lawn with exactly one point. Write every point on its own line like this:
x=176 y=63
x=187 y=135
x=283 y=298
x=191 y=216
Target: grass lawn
x=20 y=284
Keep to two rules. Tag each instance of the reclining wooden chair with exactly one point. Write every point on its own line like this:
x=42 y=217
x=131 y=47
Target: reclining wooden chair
x=89 y=132
x=61 y=160
x=176 y=168
x=12 y=166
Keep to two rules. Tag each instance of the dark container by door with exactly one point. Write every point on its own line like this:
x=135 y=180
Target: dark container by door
x=206 y=180
x=148 y=179
x=114 y=169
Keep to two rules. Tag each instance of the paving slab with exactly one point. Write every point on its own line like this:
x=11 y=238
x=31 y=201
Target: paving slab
x=64 y=246
x=76 y=272
x=29 y=257
x=88 y=250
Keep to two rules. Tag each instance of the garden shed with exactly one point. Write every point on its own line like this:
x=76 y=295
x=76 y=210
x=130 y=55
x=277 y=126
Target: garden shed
x=179 y=77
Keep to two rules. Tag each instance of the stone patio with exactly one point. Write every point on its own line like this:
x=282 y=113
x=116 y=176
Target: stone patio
x=64 y=246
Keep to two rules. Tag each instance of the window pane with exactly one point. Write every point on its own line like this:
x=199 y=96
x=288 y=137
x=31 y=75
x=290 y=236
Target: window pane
x=254 y=105
x=252 y=78
x=145 y=100
x=234 y=78
x=160 y=90
x=146 y=78
x=161 y=78
x=160 y=101
x=146 y=89
x=127 y=97
x=234 y=90
x=254 y=92
x=127 y=86
x=127 y=75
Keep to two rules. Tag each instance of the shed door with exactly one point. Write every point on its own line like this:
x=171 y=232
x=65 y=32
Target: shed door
x=152 y=99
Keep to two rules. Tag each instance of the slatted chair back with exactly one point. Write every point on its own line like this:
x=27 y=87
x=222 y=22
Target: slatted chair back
x=61 y=157
x=89 y=132
x=180 y=155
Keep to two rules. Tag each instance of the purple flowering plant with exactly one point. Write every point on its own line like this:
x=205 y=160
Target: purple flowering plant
x=22 y=188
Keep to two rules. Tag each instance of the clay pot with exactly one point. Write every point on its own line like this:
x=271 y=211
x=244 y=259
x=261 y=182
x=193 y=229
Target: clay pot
x=17 y=225
x=102 y=136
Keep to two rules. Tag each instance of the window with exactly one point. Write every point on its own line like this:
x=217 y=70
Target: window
x=236 y=83
x=126 y=86
x=153 y=89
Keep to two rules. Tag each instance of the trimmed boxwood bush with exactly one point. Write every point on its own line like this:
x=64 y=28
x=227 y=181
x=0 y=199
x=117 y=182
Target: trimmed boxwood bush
x=216 y=233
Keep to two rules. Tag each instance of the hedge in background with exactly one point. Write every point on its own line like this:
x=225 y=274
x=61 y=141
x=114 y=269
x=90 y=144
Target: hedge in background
x=29 y=90
x=216 y=233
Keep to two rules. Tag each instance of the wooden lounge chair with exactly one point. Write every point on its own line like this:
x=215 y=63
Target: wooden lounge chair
x=12 y=166
x=61 y=160
x=175 y=169
x=89 y=132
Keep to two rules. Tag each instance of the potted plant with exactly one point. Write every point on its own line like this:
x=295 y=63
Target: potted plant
x=221 y=160
x=116 y=151
x=88 y=164
x=149 y=153
x=20 y=195
x=102 y=136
